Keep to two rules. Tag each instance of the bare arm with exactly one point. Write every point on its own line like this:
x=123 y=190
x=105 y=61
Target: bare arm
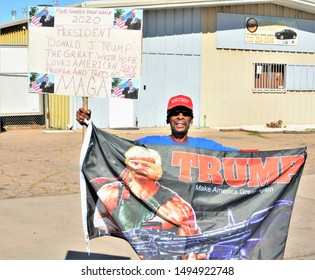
x=108 y=195
x=177 y=212
x=103 y=220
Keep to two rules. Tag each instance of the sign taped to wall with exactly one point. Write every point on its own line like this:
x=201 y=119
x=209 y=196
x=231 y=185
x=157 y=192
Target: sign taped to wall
x=273 y=31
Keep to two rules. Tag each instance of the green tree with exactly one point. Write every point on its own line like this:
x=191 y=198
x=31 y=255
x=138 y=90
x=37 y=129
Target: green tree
x=33 y=76
x=33 y=11
x=116 y=82
x=119 y=13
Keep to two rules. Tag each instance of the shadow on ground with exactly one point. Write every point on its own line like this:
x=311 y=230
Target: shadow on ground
x=73 y=255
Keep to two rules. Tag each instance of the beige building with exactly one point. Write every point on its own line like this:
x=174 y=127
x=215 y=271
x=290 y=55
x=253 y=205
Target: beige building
x=242 y=83
x=232 y=57
x=232 y=92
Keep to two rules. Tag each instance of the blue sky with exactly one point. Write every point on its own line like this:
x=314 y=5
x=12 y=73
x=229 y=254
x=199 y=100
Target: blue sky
x=6 y=6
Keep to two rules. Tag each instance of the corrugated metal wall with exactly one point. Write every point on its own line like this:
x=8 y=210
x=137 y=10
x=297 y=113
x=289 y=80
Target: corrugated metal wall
x=171 y=62
x=174 y=51
x=27 y=109
x=14 y=35
x=228 y=76
x=170 y=65
x=58 y=114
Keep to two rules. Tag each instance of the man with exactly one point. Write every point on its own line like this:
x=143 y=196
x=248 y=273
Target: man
x=47 y=86
x=179 y=214
x=130 y=91
x=180 y=118
x=133 y=23
x=47 y=20
x=139 y=198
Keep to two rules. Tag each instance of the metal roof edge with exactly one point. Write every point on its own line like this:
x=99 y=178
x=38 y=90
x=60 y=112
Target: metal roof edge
x=145 y=4
x=301 y=5
x=13 y=23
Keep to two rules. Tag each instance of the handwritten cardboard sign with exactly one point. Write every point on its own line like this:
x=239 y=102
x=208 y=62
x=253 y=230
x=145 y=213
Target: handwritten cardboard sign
x=83 y=52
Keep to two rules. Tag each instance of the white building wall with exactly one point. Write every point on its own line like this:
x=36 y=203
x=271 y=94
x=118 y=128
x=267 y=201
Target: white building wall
x=171 y=62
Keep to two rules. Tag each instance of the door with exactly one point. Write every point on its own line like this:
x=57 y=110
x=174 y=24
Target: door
x=170 y=63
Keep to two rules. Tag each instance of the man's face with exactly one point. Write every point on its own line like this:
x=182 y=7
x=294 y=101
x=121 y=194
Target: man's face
x=180 y=120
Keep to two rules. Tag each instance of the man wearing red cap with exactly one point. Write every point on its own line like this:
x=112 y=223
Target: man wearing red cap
x=180 y=116
x=178 y=215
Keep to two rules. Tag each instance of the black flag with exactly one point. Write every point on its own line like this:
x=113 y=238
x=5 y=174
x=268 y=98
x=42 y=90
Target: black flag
x=173 y=202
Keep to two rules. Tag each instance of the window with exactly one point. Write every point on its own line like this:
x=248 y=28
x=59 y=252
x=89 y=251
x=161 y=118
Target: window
x=301 y=77
x=269 y=77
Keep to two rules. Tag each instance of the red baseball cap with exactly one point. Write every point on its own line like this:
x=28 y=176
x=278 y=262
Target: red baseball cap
x=180 y=100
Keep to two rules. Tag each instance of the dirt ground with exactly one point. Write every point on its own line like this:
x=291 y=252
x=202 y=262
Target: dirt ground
x=40 y=185
x=37 y=162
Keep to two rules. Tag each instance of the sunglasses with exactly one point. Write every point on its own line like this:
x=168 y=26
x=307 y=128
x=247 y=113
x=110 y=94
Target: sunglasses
x=177 y=110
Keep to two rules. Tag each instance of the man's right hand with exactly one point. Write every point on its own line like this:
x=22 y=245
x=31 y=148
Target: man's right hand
x=83 y=114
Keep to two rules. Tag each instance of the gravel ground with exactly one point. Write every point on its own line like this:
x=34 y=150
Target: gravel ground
x=36 y=162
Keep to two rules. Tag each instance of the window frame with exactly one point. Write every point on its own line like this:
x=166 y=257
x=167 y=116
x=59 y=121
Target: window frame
x=269 y=77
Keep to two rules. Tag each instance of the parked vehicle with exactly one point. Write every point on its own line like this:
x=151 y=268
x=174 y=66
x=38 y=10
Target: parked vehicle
x=286 y=34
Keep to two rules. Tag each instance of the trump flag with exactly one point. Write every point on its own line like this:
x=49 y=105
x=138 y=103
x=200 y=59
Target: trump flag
x=178 y=203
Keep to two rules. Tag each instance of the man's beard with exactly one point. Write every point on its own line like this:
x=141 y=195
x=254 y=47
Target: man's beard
x=179 y=134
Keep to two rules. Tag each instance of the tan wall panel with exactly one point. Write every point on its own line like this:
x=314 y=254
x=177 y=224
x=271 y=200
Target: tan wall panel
x=227 y=78
x=14 y=37
x=59 y=111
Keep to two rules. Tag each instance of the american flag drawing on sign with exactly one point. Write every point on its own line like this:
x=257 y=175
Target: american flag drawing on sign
x=119 y=89
x=35 y=86
x=36 y=18
x=121 y=21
